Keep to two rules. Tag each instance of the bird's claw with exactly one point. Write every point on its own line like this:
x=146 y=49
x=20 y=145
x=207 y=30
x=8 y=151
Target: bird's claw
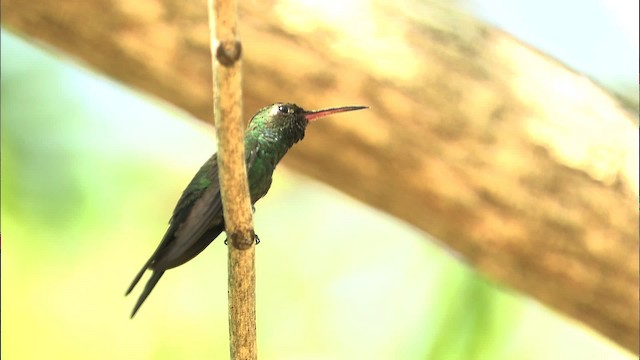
x=255 y=238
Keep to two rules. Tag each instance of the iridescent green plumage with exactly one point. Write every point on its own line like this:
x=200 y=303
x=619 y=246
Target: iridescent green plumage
x=198 y=217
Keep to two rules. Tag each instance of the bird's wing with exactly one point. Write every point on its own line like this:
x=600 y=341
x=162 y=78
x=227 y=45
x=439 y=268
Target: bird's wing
x=198 y=218
x=200 y=227
x=167 y=247
x=198 y=215
x=206 y=177
x=196 y=221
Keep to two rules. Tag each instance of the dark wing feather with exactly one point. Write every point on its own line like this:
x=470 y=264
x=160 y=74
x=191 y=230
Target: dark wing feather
x=178 y=246
x=155 y=277
x=167 y=236
x=196 y=221
x=193 y=234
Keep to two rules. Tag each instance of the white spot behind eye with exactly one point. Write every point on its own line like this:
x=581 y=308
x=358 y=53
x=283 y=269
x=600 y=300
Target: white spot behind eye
x=275 y=110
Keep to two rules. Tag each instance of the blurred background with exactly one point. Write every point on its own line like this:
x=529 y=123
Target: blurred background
x=91 y=172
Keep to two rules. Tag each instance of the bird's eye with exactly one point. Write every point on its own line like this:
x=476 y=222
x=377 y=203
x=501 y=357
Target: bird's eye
x=284 y=109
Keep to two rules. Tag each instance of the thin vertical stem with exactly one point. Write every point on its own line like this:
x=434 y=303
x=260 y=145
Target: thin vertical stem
x=226 y=52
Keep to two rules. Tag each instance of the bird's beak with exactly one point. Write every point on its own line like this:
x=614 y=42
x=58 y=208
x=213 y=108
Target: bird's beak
x=316 y=114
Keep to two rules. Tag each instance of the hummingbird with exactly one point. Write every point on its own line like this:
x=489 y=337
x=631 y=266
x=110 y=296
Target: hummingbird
x=198 y=217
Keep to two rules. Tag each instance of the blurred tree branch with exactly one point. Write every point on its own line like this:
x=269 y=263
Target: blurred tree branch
x=525 y=169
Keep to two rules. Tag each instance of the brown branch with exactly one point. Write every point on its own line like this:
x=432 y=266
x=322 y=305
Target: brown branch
x=227 y=70
x=525 y=169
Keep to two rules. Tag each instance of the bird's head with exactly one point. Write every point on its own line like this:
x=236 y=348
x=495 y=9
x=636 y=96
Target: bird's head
x=285 y=121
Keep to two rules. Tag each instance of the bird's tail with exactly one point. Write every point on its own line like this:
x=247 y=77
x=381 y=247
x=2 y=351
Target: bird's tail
x=138 y=277
x=155 y=277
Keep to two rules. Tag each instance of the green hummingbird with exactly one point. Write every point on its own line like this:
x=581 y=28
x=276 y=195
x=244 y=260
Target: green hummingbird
x=198 y=218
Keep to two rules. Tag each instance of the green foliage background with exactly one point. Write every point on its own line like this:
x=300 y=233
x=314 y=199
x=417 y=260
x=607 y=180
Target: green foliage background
x=90 y=174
